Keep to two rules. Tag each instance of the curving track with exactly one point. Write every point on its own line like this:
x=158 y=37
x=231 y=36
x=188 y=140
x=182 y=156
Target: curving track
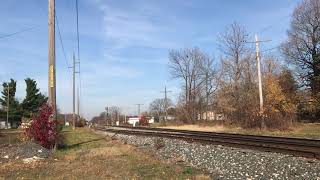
x=296 y=146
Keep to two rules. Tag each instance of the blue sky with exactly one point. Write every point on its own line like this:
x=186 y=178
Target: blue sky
x=124 y=44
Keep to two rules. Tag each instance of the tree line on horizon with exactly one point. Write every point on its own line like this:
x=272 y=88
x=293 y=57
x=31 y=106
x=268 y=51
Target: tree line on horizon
x=229 y=86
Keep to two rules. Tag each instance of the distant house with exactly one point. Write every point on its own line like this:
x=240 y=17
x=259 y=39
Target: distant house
x=134 y=120
x=3 y=124
x=211 y=116
x=11 y=124
x=66 y=119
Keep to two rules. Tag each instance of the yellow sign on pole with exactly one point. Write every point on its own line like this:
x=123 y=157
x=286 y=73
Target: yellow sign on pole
x=51 y=76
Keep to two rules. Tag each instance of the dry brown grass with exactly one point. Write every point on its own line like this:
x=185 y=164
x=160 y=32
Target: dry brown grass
x=92 y=156
x=217 y=128
x=9 y=136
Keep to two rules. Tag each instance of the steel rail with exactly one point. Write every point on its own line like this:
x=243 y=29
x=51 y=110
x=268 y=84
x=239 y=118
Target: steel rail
x=295 y=146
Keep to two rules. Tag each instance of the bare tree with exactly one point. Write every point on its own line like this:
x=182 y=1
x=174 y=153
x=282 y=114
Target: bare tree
x=233 y=45
x=303 y=45
x=114 y=113
x=158 y=107
x=194 y=68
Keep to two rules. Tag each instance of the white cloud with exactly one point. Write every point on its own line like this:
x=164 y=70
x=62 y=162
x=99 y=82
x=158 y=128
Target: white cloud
x=136 y=27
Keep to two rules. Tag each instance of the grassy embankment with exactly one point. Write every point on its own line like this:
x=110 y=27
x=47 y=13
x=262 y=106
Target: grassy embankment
x=92 y=156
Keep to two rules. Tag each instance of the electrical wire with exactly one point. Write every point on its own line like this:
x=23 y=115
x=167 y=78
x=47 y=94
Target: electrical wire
x=61 y=42
x=18 y=32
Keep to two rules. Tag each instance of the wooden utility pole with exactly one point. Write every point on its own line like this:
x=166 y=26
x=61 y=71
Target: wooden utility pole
x=260 y=81
x=78 y=49
x=166 y=101
x=207 y=95
x=257 y=41
x=52 y=59
x=8 y=106
x=259 y=73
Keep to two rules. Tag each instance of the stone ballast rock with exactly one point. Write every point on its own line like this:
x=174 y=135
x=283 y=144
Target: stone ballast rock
x=224 y=162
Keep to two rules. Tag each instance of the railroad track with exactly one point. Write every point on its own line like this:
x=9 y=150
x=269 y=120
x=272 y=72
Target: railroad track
x=309 y=148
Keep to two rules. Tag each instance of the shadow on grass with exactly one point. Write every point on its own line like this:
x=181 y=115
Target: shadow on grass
x=77 y=145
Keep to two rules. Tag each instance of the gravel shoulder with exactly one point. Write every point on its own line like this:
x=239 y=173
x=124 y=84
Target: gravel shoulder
x=226 y=162
x=22 y=152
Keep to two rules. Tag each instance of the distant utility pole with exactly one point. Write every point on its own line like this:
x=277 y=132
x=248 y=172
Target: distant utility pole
x=106 y=115
x=74 y=72
x=166 y=101
x=78 y=103
x=52 y=58
x=139 y=105
x=73 y=93
x=8 y=105
x=207 y=96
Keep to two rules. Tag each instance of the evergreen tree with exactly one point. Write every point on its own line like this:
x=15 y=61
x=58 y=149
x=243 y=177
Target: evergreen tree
x=33 y=100
x=14 y=106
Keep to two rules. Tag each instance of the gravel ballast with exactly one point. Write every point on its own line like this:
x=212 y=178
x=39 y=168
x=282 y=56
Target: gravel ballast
x=224 y=162
x=22 y=151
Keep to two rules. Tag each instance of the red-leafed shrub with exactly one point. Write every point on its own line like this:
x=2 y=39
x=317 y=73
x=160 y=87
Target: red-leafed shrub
x=43 y=130
x=143 y=121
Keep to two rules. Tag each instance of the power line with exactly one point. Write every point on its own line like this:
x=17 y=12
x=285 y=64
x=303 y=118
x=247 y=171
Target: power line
x=18 y=32
x=279 y=19
x=61 y=42
x=276 y=47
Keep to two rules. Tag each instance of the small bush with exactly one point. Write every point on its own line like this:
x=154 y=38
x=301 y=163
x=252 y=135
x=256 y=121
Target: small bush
x=143 y=121
x=43 y=130
x=188 y=170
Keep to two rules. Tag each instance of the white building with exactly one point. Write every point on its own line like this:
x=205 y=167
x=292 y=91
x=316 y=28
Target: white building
x=134 y=121
x=212 y=116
